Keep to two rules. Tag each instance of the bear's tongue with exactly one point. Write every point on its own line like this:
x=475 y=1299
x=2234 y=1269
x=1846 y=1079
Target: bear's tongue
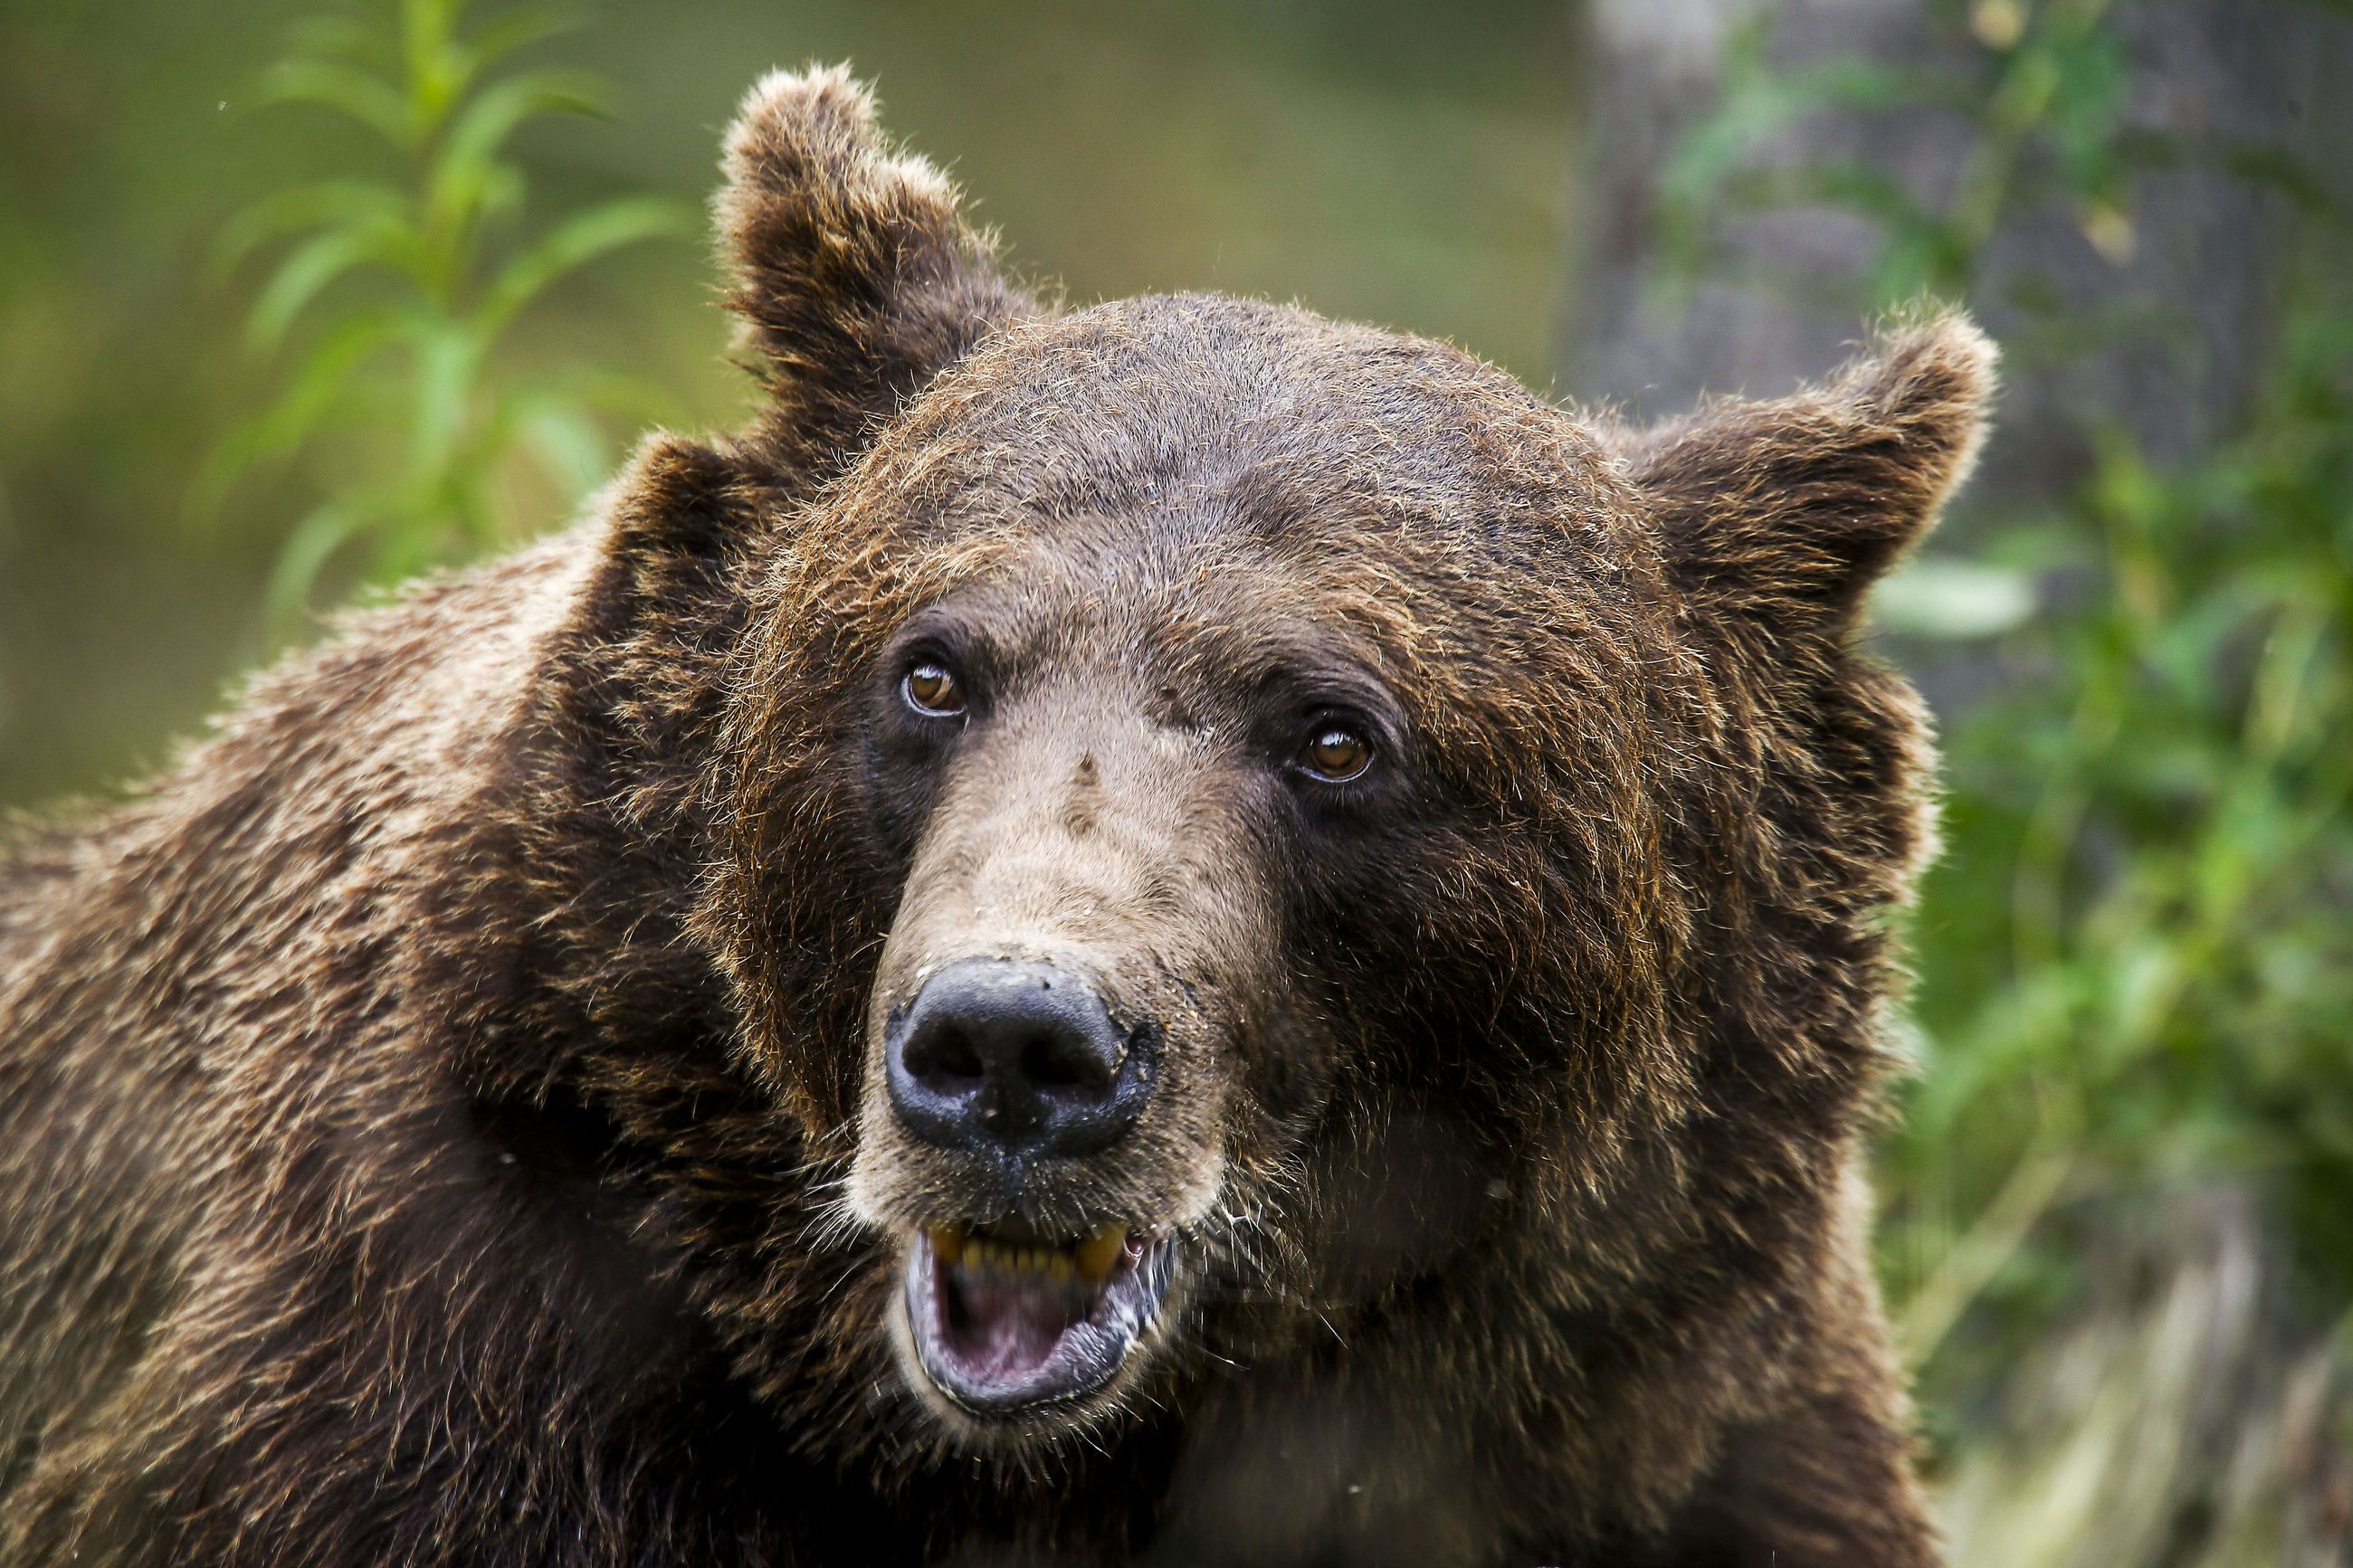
x=1002 y=1327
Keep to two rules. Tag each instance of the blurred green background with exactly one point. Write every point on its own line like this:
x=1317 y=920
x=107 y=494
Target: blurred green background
x=1394 y=164
x=298 y=297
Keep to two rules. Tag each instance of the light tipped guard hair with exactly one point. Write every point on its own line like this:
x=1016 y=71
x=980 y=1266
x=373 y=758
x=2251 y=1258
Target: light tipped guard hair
x=855 y=279
x=1781 y=514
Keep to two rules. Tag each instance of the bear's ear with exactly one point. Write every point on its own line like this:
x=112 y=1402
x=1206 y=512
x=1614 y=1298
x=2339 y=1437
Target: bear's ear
x=854 y=277
x=1778 y=516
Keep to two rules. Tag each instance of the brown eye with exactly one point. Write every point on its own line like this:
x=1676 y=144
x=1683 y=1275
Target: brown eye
x=1335 y=753
x=932 y=691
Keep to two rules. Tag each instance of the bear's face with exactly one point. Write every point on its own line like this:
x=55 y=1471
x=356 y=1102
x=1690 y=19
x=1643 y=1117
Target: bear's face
x=1242 y=781
x=1226 y=822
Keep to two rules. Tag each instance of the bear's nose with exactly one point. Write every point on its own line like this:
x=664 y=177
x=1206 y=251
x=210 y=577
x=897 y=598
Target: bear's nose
x=1020 y=1058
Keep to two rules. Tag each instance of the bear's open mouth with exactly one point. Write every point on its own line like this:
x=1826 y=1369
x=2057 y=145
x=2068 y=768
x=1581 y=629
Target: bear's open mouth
x=1004 y=1326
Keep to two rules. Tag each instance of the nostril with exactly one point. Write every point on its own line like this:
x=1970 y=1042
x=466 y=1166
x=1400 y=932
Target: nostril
x=1058 y=1061
x=946 y=1059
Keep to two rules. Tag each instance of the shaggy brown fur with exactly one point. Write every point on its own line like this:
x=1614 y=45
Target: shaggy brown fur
x=441 y=1122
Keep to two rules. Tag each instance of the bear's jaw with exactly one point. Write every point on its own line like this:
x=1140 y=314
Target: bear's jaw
x=1012 y=1331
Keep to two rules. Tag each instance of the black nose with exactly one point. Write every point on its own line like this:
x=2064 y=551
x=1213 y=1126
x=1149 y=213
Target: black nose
x=1017 y=1058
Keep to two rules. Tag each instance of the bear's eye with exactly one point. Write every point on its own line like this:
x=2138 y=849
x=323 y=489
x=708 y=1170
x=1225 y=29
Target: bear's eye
x=1335 y=753
x=930 y=690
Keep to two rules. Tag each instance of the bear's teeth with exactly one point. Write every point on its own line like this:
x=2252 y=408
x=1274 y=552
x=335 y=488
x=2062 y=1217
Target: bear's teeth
x=1099 y=1250
x=1090 y=1259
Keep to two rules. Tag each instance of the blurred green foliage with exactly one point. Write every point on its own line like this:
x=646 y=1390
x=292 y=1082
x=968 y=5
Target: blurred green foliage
x=2046 y=98
x=1385 y=158
x=428 y=91
x=2135 y=954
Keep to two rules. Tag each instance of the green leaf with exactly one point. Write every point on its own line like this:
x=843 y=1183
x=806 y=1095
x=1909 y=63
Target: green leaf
x=299 y=412
x=466 y=178
x=1932 y=597
x=1851 y=81
x=317 y=263
x=314 y=544
x=447 y=360
x=575 y=242
x=344 y=88
x=338 y=203
x=403 y=553
x=482 y=128
x=516 y=29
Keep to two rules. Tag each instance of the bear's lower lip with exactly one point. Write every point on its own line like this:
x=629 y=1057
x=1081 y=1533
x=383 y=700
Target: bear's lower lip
x=1005 y=1330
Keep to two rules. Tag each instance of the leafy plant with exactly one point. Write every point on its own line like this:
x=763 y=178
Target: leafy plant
x=2136 y=953
x=410 y=282
x=2137 y=956
x=2044 y=97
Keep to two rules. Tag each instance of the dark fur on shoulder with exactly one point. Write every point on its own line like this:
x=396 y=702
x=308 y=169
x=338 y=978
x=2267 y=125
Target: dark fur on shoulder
x=448 y=1119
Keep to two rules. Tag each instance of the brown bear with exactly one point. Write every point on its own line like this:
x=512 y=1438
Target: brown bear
x=1166 y=932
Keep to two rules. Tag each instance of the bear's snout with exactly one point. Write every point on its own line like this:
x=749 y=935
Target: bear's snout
x=1019 y=1060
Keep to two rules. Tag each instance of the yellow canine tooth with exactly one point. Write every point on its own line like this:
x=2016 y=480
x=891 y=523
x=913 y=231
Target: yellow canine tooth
x=1100 y=1250
x=947 y=1243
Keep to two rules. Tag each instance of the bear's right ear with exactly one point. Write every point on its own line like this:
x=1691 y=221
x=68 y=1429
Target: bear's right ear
x=1778 y=516
x=854 y=277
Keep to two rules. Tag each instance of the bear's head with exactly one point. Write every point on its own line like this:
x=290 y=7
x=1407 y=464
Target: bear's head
x=1218 y=827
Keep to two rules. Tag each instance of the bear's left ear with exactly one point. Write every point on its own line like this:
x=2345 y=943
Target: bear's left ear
x=1778 y=516
x=854 y=276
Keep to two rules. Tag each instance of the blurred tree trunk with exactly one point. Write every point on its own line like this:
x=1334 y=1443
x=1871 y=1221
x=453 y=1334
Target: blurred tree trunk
x=2195 y=266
